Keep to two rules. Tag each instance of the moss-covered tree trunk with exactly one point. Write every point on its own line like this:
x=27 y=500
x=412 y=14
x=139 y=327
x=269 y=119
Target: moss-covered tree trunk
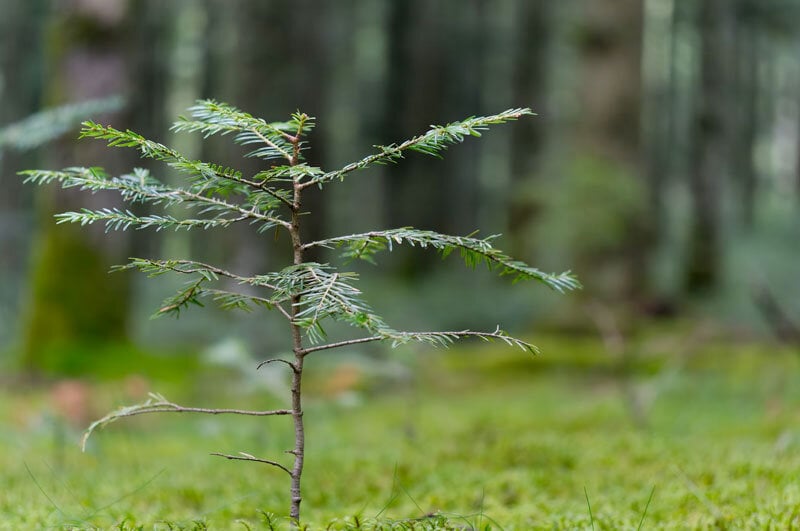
x=74 y=303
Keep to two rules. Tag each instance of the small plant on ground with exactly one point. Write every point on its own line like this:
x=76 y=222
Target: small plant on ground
x=306 y=294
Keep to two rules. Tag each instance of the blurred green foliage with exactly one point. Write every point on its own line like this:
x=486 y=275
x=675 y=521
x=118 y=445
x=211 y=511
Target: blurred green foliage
x=70 y=313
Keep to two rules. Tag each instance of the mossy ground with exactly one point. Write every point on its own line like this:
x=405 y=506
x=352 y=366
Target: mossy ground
x=484 y=437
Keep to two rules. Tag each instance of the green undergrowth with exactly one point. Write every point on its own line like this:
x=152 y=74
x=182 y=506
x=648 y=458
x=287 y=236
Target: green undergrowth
x=482 y=438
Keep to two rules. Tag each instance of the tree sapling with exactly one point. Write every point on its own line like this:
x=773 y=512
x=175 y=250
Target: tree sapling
x=304 y=293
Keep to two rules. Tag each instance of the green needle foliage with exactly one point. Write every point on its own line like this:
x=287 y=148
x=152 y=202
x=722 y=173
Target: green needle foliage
x=306 y=294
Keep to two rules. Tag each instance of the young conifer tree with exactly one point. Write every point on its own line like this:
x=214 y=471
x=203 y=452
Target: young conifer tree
x=304 y=293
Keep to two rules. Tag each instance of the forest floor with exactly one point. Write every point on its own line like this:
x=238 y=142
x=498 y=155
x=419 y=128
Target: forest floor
x=483 y=438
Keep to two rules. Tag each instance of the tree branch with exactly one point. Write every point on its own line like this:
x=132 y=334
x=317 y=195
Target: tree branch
x=248 y=457
x=257 y=186
x=346 y=343
x=431 y=143
x=252 y=298
x=158 y=404
x=277 y=360
x=473 y=251
x=270 y=143
x=230 y=206
x=175 y=408
x=195 y=267
x=435 y=338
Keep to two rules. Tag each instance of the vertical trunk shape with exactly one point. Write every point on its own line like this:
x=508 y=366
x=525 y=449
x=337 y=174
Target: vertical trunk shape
x=468 y=83
x=609 y=134
x=533 y=47
x=188 y=28
x=709 y=148
x=297 y=347
x=660 y=107
x=396 y=108
x=310 y=67
x=416 y=81
x=747 y=96
x=797 y=139
x=74 y=301
x=21 y=30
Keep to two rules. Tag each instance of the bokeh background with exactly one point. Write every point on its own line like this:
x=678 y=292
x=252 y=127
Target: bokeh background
x=662 y=167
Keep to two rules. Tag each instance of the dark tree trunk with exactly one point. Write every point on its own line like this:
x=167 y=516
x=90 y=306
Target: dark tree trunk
x=529 y=88
x=709 y=147
x=415 y=86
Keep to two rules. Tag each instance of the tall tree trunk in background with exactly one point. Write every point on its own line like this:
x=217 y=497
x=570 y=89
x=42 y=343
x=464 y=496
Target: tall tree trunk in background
x=354 y=69
x=309 y=69
x=529 y=89
x=746 y=109
x=20 y=93
x=608 y=134
x=255 y=33
x=797 y=140
x=150 y=48
x=186 y=22
x=20 y=89
x=495 y=53
x=660 y=108
x=415 y=87
x=709 y=147
x=74 y=301
x=463 y=86
x=273 y=75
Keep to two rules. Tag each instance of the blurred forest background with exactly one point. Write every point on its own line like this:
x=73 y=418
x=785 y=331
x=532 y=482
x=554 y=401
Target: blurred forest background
x=663 y=167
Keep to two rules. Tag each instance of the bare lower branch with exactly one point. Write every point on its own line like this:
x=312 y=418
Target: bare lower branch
x=174 y=408
x=277 y=360
x=248 y=457
x=158 y=404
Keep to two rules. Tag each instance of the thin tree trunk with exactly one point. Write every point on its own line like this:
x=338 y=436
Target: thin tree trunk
x=299 y=353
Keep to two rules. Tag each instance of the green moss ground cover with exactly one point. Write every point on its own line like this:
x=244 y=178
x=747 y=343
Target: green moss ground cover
x=486 y=438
